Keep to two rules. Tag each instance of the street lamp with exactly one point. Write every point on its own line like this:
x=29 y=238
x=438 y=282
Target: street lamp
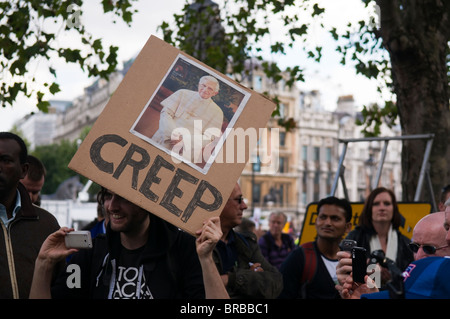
x=256 y=167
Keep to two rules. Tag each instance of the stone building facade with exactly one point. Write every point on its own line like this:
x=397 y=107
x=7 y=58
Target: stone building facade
x=304 y=160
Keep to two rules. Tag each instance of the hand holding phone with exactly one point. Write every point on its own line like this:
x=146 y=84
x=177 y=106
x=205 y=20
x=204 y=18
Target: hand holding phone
x=78 y=239
x=359 y=264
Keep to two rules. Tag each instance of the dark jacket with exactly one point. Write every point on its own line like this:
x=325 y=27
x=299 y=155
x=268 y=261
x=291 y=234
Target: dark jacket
x=274 y=254
x=404 y=254
x=245 y=283
x=170 y=262
x=20 y=244
x=320 y=286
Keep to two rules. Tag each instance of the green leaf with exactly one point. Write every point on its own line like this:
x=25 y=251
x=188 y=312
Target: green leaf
x=298 y=31
x=317 y=10
x=97 y=45
x=334 y=33
x=54 y=88
x=52 y=71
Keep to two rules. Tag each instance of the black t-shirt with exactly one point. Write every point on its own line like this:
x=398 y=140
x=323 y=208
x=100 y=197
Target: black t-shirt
x=172 y=268
x=228 y=253
x=130 y=279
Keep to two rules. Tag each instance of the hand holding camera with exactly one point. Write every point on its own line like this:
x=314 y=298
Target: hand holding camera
x=353 y=260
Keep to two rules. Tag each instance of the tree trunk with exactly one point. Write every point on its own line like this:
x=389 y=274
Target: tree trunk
x=416 y=35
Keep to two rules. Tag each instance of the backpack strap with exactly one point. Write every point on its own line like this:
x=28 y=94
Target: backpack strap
x=310 y=266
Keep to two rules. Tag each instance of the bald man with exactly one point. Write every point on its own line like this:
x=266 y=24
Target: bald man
x=429 y=233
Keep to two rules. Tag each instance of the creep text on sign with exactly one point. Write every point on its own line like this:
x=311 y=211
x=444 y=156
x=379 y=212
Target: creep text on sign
x=151 y=177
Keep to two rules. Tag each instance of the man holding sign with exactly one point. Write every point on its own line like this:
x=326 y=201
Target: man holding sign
x=141 y=257
x=147 y=250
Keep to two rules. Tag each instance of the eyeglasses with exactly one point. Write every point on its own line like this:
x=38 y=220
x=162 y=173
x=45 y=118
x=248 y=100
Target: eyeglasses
x=240 y=200
x=428 y=249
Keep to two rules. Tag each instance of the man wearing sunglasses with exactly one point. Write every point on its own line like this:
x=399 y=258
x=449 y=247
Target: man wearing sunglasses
x=243 y=269
x=428 y=237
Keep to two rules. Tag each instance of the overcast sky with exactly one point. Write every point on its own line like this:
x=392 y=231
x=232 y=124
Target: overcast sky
x=329 y=77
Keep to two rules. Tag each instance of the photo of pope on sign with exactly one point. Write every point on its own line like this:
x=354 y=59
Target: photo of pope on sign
x=188 y=116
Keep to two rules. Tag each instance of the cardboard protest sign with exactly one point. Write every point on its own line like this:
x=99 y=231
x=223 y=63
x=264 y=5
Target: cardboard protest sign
x=174 y=137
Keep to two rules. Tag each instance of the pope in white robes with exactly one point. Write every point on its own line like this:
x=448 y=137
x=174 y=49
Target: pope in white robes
x=190 y=120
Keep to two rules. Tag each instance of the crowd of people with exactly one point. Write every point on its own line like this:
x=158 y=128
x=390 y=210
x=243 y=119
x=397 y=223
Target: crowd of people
x=141 y=256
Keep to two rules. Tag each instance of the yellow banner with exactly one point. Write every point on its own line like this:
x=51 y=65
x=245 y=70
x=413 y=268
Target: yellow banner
x=411 y=212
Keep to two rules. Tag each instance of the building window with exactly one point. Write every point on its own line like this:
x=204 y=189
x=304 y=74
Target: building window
x=330 y=181
x=282 y=138
x=283 y=194
x=283 y=110
x=282 y=85
x=304 y=152
x=256 y=193
x=304 y=198
x=328 y=154
x=256 y=166
x=283 y=165
x=258 y=80
x=317 y=154
x=278 y=195
x=316 y=186
x=316 y=178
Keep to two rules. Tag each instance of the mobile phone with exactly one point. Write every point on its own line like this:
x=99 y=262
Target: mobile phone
x=79 y=239
x=347 y=244
x=359 y=264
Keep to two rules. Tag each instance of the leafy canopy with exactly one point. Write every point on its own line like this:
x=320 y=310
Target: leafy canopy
x=30 y=32
x=248 y=32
